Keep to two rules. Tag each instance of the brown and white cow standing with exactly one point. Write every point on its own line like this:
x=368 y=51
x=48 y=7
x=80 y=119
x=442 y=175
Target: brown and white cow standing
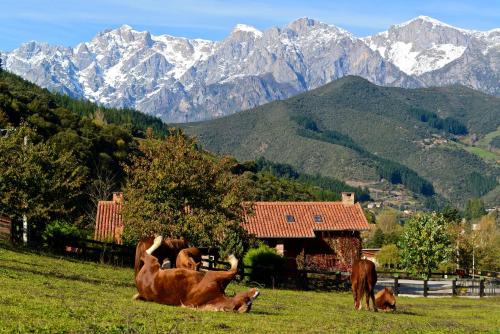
x=190 y=288
x=363 y=280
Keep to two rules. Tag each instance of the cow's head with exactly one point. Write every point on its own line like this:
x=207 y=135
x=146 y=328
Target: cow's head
x=386 y=300
x=243 y=300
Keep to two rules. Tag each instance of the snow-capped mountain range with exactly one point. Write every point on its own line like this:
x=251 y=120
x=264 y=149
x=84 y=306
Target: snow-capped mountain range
x=183 y=79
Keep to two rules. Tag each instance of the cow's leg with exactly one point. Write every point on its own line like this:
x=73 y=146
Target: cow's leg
x=359 y=299
x=355 y=295
x=155 y=245
x=225 y=277
x=222 y=278
x=372 y=296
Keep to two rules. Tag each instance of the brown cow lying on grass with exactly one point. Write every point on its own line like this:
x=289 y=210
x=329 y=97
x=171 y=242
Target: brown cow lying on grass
x=179 y=286
x=189 y=258
x=363 y=280
x=166 y=253
x=385 y=300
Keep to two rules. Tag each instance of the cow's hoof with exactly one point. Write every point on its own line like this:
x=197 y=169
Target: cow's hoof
x=156 y=243
x=233 y=261
x=255 y=295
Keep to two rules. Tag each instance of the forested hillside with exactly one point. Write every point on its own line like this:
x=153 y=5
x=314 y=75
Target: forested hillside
x=59 y=156
x=356 y=131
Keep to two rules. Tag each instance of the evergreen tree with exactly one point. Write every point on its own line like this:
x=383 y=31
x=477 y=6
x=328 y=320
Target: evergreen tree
x=474 y=209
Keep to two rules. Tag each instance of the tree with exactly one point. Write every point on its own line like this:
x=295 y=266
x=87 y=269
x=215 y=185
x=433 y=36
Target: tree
x=388 y=222
x=37 y=181
x=486 y=243
x=1 y=63
x=388 y=256
x=451 y=214
x=474 y=208
x=375 y=239
x=425 y=243
x=177 y=190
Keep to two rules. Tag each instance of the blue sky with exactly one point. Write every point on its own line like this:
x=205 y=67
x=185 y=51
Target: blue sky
x=68 y=22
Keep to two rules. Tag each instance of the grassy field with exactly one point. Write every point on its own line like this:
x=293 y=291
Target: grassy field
x=51 y=295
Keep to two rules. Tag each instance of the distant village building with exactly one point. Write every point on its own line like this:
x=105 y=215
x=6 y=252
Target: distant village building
x=109 y=222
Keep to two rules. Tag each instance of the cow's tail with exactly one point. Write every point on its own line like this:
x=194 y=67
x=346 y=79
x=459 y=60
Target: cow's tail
x=363 y=286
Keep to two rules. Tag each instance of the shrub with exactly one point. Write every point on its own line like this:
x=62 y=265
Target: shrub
x=58 y=233
x=265 y=264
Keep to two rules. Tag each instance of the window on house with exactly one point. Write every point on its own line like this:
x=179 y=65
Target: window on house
x=318 y=218
x=290 y=219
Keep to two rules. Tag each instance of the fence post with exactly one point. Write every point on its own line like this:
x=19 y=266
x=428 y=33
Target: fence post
x=481 y=287
x=454 y=287
x=396 y=285
x=426 y=287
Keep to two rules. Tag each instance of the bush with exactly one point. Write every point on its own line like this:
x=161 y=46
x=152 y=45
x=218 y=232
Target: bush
x=265 y=264
x=58 y=233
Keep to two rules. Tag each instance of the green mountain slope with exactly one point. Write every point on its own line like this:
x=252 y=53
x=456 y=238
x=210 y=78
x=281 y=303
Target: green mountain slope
x=360 y=132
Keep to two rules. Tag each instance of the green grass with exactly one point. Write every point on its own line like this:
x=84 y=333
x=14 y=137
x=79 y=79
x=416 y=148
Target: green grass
x=51 y=295
x=482 y=153
x=486 y=140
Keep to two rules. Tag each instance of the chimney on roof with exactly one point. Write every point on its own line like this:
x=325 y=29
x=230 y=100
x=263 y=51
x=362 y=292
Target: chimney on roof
x=348 y=198
x=118 y=197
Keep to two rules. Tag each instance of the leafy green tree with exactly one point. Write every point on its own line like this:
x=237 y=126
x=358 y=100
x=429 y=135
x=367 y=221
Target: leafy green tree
x=36 y=180
x=370 y=216
x=375 y=240
x=176 y=189
x=425 y=243
x=486 y=242
x=388 y=256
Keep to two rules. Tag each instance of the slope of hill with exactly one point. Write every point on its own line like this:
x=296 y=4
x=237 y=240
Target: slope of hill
x=359 y=132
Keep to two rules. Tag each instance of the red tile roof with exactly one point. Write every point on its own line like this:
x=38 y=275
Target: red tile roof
x=109 y=223
x=268 y=219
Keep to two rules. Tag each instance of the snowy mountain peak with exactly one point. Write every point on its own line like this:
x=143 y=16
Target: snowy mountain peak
x=429 y=22
x=247 y=29
x=322 y=32
x=125 y=27
x=176 y=77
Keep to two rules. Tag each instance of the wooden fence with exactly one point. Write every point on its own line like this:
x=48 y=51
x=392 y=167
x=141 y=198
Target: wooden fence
x=440 y=284
x=99 y=251
x=400 y=282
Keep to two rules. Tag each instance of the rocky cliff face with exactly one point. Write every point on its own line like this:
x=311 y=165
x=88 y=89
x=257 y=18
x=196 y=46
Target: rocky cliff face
x=182 y=79
x=438 y=54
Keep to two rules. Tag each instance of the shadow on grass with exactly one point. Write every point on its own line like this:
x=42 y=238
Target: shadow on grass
x=68 y=277
x=407 y=312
